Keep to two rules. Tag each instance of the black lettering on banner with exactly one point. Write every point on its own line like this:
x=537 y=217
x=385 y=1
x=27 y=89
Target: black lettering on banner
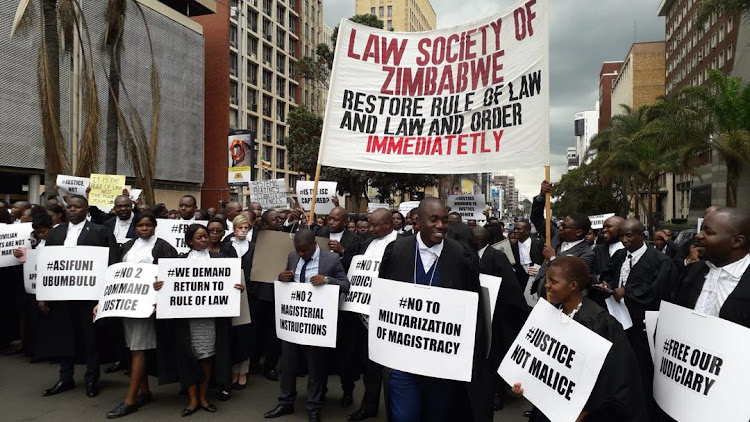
x=689 y=366
x=553 y=348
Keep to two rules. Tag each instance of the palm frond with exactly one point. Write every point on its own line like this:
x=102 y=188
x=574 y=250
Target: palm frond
x=54 y=144
x=66 y=17
x=22 y=13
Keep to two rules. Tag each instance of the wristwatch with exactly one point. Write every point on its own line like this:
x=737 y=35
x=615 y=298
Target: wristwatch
x=326 y=279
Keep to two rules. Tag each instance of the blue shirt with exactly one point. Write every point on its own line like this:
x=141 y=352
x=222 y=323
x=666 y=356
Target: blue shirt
x=312 y=267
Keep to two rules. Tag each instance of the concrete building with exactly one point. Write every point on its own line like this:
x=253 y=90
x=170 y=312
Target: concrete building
x=400 y=15
x=607 y=76
x=641 y=77
x=314 y=93
x=723 y=43
x=572 y=158
x=507 y=185
x=178 y=44
x=586 y=125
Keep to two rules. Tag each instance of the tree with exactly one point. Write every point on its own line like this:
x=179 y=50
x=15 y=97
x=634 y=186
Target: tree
x=721 y=7
x=583 y=190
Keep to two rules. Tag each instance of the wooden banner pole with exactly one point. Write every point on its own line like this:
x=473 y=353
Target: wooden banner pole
x=315 y=194
x=547 y=209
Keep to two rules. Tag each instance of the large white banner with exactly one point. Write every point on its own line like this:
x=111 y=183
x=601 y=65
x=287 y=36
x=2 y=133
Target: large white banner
x=306 y=314
x=198 y=288
x=13 y=236
x=362 y=271
x=129 y=291
x=701 y=367
x=407 y=206
x=65 y=273
x=423 y=330
x=173 y=232
x=72 y=185
x=556 y=360
x=29 y=271
x=468 y=99
x=372 y=206
x=471 y=207
x=323 y=202
x=269 y=193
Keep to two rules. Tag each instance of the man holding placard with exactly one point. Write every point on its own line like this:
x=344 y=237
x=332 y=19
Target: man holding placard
x=69 y=322
x=307 y=264
x=431 y=260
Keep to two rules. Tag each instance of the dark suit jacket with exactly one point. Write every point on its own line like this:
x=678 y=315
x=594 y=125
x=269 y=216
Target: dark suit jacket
x=110 y=225
x=162 y=249
x=647 y=284
x=537 y=219
x=329 y=265
x=349 y=241
x=91 y=235
x=581 y=250
x=737 y=306
x=601 y=257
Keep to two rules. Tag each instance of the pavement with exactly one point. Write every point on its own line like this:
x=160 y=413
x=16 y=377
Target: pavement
x=21 y=385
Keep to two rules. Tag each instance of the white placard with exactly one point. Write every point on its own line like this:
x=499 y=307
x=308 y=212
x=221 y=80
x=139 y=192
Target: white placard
x=700 y=224
x=135 y=194
x=556 y=360
x=362 y=272
x=651 y=319
x=12 y=237
x=416 y=102
x=65 y=273
x=505 y=247
x=72 y=185
x=129 y=291
x=269 y=193
x=492 y=284
x=323 y=202
x=701 y=367
x=407 y=206
x=173 y=232
x=597 y=221
x=471 y=207
x=306 y=314
x=198 y=288
x=619 y=310
x=29 y=271
x=372 y=206
x=423 y=330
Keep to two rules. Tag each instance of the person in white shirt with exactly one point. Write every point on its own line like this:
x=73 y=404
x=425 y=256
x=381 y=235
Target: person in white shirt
x=122 y=225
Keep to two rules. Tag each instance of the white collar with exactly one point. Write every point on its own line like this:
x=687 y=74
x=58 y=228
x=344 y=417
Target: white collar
x=78 y=226
x=638 y=253
x=736 y=269
x=527 y=242
x=140 y=243
x=128 y=221
x=315 y=256
x=199 y=254
x=568 y=245
x=481 y=251
x=434 y=249
x=192 y=219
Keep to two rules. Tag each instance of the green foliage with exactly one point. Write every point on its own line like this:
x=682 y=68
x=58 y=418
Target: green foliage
x=721 y=7
x=582 y=190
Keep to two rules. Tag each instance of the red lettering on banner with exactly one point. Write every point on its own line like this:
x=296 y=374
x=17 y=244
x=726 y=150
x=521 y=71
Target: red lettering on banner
x=351 y=53
x=463 y=144
x=498 y=134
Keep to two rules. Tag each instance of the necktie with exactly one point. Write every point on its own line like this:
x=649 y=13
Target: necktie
x=630 y=260
x=302 y=278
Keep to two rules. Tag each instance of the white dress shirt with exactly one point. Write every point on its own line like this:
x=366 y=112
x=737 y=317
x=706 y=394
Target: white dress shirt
x=614 y=247
x=524 y=253
x=377 y=246
x=567 y=245
x=720 y=283
x=241 y=246
x=121 y=229
x=193 y=254
x=142 y=251
x=428 y=254
x=336 y=236
x=74 y=232
x=191 y=219
x=481 y=251
x=631 y=258
x=312 y=267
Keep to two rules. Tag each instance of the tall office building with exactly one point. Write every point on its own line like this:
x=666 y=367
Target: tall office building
x=507 y=184
x=641 y=77
x=607 y=76
x=400 y=15
x=585 y=127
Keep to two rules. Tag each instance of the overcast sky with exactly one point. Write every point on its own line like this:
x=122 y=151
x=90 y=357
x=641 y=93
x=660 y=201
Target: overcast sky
x=583 y=34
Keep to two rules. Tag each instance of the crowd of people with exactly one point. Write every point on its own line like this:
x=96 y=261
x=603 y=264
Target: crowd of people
x=577 y=270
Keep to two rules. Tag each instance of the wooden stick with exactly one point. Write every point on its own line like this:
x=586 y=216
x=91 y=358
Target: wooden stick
x=547 y=209
x=315 y=194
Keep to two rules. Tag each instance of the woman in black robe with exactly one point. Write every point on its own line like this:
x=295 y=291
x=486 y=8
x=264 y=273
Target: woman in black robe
x=617 y=395
x=186 y=341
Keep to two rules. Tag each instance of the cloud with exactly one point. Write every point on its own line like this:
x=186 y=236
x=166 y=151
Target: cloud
x=583 y=34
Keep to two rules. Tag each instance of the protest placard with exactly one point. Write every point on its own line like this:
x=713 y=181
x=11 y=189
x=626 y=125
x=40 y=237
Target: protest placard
x=129 y=291
x=423 y=330
x=269 y=193
x=701 y=367
x=105 y=188
x=323 y=202
x=271 y=259
x=407 y=206
x=597 y=221
x=471 y=207
x=306 y=314
x=651 y=319
x=173 y=232
x=492 y=284
x=13 y=236
x=71 y=185
x=505 y=247
x=700 y=224
x=557 y=361
x=198 y=288
x=134 y=193
x=362 y=271
x=71 y=273
x=29 y=272
x=428 y=102
x=372 y=206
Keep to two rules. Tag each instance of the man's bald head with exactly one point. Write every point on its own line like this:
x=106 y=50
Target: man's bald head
x=427 y=205
x=709 y=210
x=481 y=237
x=725 y=236
x=381 y=223
x=611 y=229
x=631 y=234
x=337 y=219
x=232 y=209
x=381 y=215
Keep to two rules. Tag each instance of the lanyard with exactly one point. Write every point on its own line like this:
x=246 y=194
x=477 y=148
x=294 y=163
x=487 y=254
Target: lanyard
x=434 y=265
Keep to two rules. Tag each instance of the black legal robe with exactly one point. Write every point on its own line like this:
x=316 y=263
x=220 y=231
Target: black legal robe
x=536 y=255
x=617 y=395
x=459 y=269
x=241 y=335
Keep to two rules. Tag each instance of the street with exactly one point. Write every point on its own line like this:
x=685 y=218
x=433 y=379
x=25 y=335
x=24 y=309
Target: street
x=21 y=385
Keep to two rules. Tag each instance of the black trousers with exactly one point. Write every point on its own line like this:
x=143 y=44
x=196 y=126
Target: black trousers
x=317 y=377
x=84 y=334
x=347 y=353
x=372 y=374
x=263 y=328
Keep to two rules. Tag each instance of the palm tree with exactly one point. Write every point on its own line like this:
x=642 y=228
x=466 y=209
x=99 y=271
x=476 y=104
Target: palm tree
x=721 y=7
x=113 y=43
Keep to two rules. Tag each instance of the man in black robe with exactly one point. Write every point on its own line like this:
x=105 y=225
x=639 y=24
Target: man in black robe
x=68 y=325
x=611 y=234
x=527 y=251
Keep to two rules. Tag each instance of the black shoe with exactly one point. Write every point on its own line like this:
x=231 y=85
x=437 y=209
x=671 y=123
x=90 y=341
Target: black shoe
x=209 y=408
x=188 y=411
x=498 y=402
x=361 y=415
x=255 y=368
x=271 y=375
x=280 y=410
x=313 y=416
x=224 y=394
x=346 y=400
x=527 y=413
x=121 y=410
x=238 y=386
x=58 y=388
x=92 y=389
x=143 y=399
x=116 y=367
